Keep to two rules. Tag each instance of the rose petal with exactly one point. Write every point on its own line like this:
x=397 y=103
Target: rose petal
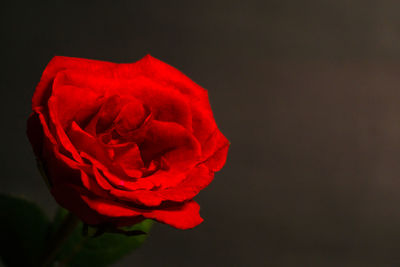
x=196 y=180
x=125 y=163
x=130 y=160
x=166 y=103
x=172 y=141
x=186 y=217
x=163 y=73
x=59 y=63
x=35 y=133
x=199 y=178
x=217 y=151
x=183 y=216
x=73 y=103
x=105 y=116
x=57 y=166
x=181 y=139
x=69 y=197
x=118 y=182
x=84 y=142
x=203 y=123
x=130 y=117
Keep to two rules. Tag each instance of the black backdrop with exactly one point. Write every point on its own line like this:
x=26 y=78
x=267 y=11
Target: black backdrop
x=306 y=91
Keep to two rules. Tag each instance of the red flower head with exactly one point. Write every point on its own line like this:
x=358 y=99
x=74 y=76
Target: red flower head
x=120 y=143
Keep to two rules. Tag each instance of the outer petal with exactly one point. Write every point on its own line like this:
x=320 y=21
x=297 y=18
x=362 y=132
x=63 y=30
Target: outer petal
x=35 y=134
x=72 y=103
x=165 y=74
x=198 y=178
x=203 y=124
x=217 y=151
x=58 y=63
x=69 y=197
x=57 y=166
x=117 y=182
x=185 y=217
x=182 y=216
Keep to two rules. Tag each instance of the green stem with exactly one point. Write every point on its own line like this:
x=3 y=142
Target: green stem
x=64 y=262
x=56 y=242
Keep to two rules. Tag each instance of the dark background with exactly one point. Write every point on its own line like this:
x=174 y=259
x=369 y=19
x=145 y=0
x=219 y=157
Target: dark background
x=306 y=91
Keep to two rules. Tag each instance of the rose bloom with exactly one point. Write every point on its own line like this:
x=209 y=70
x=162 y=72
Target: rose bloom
x=120 y=143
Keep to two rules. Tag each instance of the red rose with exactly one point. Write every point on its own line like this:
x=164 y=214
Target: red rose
x=124 y=142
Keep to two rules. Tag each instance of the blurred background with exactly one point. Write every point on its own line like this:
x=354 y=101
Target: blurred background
x=307 y=92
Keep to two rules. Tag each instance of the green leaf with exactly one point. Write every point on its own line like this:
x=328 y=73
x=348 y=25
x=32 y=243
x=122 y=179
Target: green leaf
x=23 y=231
x=80 y=250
